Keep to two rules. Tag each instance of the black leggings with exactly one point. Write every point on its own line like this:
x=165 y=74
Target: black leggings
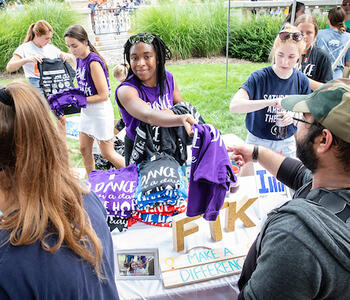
x=128 y=146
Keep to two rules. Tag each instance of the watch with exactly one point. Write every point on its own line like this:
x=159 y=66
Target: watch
x=255 y=153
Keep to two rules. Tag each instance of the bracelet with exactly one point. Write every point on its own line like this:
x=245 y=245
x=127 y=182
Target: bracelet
x=255 y=153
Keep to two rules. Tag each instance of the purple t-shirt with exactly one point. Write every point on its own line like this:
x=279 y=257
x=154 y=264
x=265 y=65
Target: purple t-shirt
x=150 y=95
x=116 y=189
x=83 y=74
x=211 y=173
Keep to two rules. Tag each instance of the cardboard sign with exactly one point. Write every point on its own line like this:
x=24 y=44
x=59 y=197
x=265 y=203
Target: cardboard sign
x=266 y=184
x=200 y=266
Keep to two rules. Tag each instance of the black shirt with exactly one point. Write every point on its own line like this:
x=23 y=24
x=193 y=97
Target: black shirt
x=315 y=64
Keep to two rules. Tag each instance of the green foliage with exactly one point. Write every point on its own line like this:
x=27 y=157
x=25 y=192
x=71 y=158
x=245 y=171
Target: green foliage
x=59 y=15
x=321 y=21
x=252 y=39
x=191 y=30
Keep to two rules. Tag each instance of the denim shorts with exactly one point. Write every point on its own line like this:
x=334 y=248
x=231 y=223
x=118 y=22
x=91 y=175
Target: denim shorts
x=285 y=147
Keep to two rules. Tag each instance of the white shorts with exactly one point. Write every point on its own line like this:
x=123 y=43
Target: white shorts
x=97 y=120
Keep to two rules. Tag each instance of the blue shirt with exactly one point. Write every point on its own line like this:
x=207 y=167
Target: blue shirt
x=264 y=84
x=29 y=272
x=332 y=41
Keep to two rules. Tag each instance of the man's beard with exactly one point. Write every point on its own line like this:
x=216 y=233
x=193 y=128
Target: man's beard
x=306 y=153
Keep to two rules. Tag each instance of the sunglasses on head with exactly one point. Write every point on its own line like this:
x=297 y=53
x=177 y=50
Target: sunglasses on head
x=145 y=37
x=285 y=35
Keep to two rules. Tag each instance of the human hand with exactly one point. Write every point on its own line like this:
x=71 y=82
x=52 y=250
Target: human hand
x=35 y=58
x=241 y=154
x=277 y=102
x=287 y=118
x=188 y=121
x=64 y=56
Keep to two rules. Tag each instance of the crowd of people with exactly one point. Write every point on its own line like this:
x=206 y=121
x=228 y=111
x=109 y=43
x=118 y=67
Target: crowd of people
x=297 y=107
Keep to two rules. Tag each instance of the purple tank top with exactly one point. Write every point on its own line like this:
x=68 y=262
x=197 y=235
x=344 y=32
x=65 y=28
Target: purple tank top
x=150 y=95
x=84 y=79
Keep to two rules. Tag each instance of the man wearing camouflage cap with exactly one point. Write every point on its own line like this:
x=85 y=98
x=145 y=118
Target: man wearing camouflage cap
x=303 y=249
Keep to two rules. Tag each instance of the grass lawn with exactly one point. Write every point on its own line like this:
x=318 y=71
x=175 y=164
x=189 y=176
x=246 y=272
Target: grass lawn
x=203 y=85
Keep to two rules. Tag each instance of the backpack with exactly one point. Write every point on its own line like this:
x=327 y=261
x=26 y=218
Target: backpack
x=56 y=76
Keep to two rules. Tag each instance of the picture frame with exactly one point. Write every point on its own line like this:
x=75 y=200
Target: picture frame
x=137 y=264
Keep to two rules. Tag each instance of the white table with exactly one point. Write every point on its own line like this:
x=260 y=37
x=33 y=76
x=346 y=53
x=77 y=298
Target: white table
x=239 y=241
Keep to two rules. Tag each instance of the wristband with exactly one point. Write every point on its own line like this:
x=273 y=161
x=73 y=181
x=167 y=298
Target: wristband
x=255 y=153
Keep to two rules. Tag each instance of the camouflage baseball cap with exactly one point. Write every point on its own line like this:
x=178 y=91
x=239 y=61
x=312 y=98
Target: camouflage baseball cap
x=329 y=105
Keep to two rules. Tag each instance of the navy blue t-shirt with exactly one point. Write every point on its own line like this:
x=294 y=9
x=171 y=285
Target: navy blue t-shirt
x=265 y=84
x=29 y=272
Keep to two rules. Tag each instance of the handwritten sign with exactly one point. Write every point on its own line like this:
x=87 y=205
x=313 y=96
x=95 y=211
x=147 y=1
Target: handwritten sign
x=195 y=258
x=267 y=184
x=200 y=266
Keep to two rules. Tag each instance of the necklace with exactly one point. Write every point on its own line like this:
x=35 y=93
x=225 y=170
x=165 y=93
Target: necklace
x=305 y=61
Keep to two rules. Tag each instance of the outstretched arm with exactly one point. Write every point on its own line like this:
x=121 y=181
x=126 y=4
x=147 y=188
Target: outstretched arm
x=241 y=103
x=139 y=109
x=268 y=158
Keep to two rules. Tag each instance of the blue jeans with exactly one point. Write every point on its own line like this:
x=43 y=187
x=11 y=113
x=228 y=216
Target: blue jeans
x=286 y=147
x=36 y=83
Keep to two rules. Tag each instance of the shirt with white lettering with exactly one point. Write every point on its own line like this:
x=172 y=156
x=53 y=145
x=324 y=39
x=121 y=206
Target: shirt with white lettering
x=211 y=173
x=160 y=173
x=151 y=95
x=332 y=41
x=315 y=64
x=264 y=84
x=116 y=189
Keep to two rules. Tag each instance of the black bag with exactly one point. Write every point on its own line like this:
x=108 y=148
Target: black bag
x=55 y=76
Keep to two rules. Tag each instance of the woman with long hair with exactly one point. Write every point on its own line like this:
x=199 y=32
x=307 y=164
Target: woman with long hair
x=97 y=119
x=54 y=240
x=150 y=91
x=261 y=94
x=333 y=40
x=36 y=46
x=314 y=62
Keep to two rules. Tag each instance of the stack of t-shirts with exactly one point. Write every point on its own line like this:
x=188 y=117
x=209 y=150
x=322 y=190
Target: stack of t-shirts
x=65 y=98
x=161 y=192
x=116 y=190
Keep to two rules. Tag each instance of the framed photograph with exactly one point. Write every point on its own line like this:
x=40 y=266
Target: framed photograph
x=137 y=264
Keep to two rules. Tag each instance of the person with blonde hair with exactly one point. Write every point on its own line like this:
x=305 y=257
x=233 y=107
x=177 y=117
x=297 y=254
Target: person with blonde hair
x=314 y=62
x=261 y=94
x=333 y=40
x=97 y=119
x=54 y=240
x=120 y=72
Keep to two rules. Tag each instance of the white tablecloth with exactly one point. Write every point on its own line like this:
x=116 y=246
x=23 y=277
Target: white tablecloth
x=239 y=241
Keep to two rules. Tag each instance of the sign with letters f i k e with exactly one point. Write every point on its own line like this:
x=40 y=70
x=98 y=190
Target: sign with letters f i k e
x=266 y=184
x=199 y=266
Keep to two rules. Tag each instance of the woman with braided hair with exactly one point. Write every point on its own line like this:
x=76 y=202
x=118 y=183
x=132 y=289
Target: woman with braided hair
x=149 y=91
x=334 y=39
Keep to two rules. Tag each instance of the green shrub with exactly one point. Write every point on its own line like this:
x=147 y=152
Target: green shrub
x=59 y=15
x=252 y=38
x=191 y=30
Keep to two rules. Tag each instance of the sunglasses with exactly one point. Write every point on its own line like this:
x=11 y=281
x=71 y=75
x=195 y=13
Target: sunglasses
x=296 y=36
x=144 y=37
